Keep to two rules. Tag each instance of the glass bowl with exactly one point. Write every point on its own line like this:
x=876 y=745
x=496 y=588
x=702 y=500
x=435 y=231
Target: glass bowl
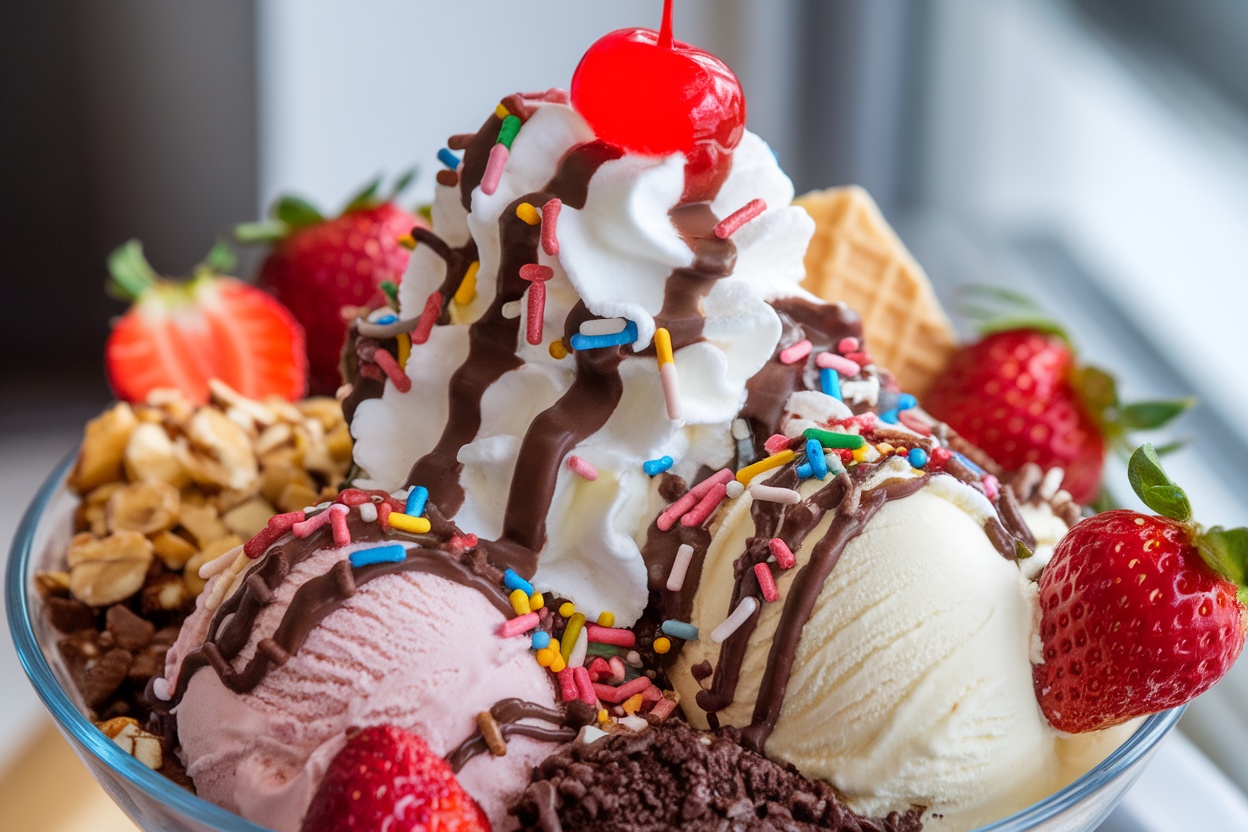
x=158 y=805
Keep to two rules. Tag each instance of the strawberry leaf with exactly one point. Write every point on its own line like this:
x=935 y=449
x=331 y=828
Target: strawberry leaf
x=1154 y=487
x=220 y=259
x=401 y=184
x=1098 y=390
x=131 y=274
x=1226 y=553
x=1154 y=414
x=261 y=232
x=296 y=213
x=365 y=198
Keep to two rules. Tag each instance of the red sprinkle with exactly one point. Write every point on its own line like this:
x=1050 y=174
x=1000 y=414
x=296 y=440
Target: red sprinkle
x=598 y=668
x=537 y=313
x=550 y=219
x=776 y=443
x=567 y=685
x=584 y=687
x=372 y=371
x=383 y=515
x=915 y=422
x=338 y=522
x=782 y=553
x=278 y=525
x=663 y=709
x=850 y=344
x=862 y=359
x=392 y=370
x=765 y=580
x=463 y=543
x=610 y=635
x=536 y=272
x=617 y=695
x=732 y=223
x=651 y=694
x=433 y=308
x=699 y=513
x=937 y=458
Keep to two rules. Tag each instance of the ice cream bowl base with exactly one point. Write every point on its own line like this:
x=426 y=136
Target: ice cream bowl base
x=157 y=804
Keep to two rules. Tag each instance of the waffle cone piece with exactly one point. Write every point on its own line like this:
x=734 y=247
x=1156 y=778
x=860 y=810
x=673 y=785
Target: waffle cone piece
x=855 y=257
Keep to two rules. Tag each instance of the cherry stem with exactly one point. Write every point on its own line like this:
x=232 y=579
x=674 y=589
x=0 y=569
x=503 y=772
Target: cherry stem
x=665 y=32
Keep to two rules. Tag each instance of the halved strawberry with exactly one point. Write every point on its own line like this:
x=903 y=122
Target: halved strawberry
x=182 y=334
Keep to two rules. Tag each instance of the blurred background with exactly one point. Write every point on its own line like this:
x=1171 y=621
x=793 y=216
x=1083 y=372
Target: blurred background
x=1093 y=153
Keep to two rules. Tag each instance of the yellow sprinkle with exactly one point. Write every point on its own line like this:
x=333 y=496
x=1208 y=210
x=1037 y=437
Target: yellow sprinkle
x=408 y=523
x=606 y=619
x=663 y=346
x=774 y=461
x=632 y=704
x=558 y=351
x=570 y=632
x=407 y=241
x=559 y=664
x=662 y=645
x=405 y=348
x=884 y=448
x=520 y=602
x=536 y=601
x=501 y=111
x=528 y=213
x=468 y=286
x=566 y=609
x=546 y=656
x=603 y=716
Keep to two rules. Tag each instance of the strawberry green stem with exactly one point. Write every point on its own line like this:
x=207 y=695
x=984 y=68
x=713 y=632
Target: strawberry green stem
x=131 y=275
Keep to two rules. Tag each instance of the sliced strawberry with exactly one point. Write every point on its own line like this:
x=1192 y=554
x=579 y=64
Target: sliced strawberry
x=385 y=778
x=184 y=334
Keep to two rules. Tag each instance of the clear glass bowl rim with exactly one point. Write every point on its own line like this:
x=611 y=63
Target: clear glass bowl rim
x=161 y=789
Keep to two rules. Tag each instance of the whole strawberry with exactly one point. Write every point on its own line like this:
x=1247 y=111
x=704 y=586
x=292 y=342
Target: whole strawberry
x=320 y=266
x=1139 y=613
x=1019 y=395
x=387 y=779
x=183 y=333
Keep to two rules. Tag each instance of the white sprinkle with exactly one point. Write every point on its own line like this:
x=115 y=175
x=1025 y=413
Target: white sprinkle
x=740 y=429
x=160 y=687
x=590 y=734
x=771 y=494
x=734 y=489
x=576 y=656
x=368 y=512
x=635 y=724
x=743 y=611
x=511 y=310
x=680 y=566
x=633 y=658
x=603 y=326
x=1051 y=482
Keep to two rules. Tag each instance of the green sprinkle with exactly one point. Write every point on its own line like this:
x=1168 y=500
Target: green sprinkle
x=507 y=133
x=391 y=291
x=832 y=439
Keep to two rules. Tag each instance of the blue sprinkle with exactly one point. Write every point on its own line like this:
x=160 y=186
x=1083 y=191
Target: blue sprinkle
x=815 y=458
x=416 y=499
x=513 y=582
x=654 y=467
x=613 y=339
x=905 y=401
x=679 y=629
x=385 y=320
x=889 y=416
x=918 y=457
x=830 y=382
x=804 y=471
x=393 y=553
x=446 y=157
x=541 y=640
x=968 y=463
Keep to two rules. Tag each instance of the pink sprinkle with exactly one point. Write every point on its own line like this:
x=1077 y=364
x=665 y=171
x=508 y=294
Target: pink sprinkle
x=550 y=219
x=461 y=543
x=691 y=497
x=651 y=694
x=494 y=169
x=992 y=486
x=618 y=671
x=567 y=685
x=915 y=422
x=383 y=515
x=617 y=695
x=782 y=553
x=372 y=371
x=352 y=497
x=582 y=466
x=611 y=635
x=584 y=687
x=663 y=709
x=765 y=580
x=307 y=527
x=429 y=317
x=832 y=361
x=776 y=443
x=698 y=515
x=861 y=358
x=598 y=668
x=795 y=353
x=278 y=525
x=338 y=522
x=535 y=320
x=847 y=345
x=392 y=370
x=519 y=624
x=732 y=223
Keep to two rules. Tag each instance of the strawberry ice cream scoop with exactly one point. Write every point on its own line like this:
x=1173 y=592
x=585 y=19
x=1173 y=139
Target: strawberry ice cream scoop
x=313 y=639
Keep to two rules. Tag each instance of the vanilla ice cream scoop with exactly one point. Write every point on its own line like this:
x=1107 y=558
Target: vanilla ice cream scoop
x=895 y=663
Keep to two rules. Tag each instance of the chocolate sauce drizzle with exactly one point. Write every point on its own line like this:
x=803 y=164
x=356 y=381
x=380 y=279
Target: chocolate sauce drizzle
x=562 y=726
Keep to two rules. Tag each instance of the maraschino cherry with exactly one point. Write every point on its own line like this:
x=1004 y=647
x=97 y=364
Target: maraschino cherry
x=645 y=92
